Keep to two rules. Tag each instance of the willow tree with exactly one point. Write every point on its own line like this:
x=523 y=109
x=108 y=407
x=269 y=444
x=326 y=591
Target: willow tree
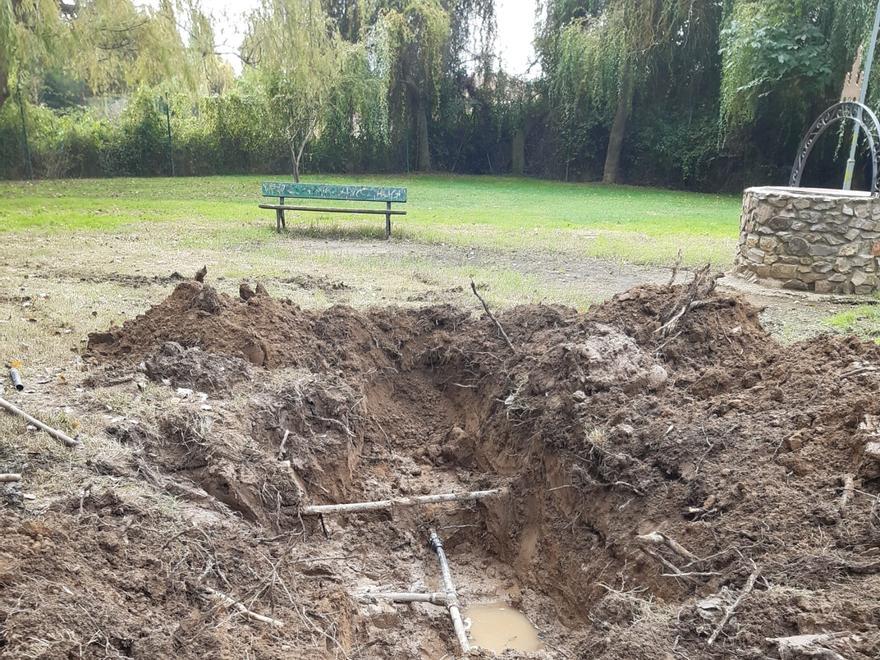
x=211 y=74
x=34 y=35
x=110 y=45
x=596 y=54
x=296 y=50
x=413 y=40
x=6 y=47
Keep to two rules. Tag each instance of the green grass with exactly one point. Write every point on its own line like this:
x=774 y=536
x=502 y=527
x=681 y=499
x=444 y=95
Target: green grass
x=637 y=225
x=863 y=321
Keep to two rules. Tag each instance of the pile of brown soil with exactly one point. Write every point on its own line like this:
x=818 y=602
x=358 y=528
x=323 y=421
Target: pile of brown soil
x=657 y=472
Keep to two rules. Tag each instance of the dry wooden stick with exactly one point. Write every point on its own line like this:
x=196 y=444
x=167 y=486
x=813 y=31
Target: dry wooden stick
x=848 y=487
x=238 y=605
x=489 y=314
x=658 y=538
x=420 y=500
x=676 y=571
x=861 y=369
x=728 y=611
x=55 y=433
x=8 y=477
x=675 y=267
x=283 y=446
x=702 y=285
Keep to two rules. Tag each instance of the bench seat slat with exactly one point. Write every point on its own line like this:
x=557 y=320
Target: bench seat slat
x=285 y=207
x=333 y=192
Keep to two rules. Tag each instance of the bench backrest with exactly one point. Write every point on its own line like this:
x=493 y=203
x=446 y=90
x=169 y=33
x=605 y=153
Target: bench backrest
x=332 y=191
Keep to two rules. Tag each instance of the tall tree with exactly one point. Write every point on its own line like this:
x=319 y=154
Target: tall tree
x=296 y=50
x=434 y=51
x=111 y=45
x=597 y=53
x=415 y=39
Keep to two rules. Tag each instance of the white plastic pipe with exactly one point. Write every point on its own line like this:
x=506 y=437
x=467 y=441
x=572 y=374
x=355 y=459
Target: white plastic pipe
x=354 y=507
x=435 y=598
x=55 y=433
x=451 y=596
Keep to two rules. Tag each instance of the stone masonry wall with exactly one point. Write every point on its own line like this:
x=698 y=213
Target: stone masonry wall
x=810 y=239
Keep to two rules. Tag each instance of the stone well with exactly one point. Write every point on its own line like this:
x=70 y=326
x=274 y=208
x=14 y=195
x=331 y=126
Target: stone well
x=810 y=239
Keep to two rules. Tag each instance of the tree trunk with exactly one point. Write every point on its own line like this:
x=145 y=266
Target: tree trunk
x=25 y=143
x=518 y=152
x=4 y=83
x=618 y=128
x=424 y=148
x=294 y=160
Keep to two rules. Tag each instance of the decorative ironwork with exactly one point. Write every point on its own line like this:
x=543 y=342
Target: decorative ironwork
x=854 y=111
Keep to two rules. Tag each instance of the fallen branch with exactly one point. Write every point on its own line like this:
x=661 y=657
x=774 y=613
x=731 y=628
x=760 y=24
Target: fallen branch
x=55 y=433
x=729 y=610
x=420 y=500
x=451 y=596
x=239 y=606
x=435 y=598
x=489 y=314
x=9 y=477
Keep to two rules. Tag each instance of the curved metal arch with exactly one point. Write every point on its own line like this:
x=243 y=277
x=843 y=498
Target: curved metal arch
x=852 y=110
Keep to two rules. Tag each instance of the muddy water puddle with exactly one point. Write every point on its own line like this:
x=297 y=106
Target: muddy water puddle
x=497 y=627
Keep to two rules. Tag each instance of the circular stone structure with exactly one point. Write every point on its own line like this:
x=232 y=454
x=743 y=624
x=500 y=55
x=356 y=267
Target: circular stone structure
x=810 y=239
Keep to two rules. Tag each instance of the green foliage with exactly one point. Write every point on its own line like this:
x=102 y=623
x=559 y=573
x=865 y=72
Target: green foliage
x=700 y=94
x=415 y=38
x=664 y=147
x=355 y=129
x=588 y=57
x=767 y=52
x=111 y=46
x=140 y=145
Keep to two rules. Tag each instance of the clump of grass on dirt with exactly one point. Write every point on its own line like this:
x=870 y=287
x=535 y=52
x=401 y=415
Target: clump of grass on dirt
x=863 y=321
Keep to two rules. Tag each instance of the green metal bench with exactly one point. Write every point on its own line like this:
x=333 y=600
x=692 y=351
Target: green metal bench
x=324 y=191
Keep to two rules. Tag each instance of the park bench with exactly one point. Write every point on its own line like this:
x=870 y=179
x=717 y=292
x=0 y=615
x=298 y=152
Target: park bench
x=324 y=191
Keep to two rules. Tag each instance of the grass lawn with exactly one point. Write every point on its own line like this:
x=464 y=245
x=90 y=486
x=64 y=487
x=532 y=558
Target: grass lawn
x=863 y=320
x=79 y=255
x=627 y=224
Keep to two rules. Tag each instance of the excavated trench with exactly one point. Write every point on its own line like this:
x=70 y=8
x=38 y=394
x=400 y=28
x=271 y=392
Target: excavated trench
x=441 y=429
x=634 y=422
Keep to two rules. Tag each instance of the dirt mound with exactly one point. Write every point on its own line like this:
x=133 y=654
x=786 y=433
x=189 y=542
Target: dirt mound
x=265 y=331
x=192 y=367
x=666 y=460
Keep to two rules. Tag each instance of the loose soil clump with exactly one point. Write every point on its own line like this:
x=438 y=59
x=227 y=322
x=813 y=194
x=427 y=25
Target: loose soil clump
x=678 y=484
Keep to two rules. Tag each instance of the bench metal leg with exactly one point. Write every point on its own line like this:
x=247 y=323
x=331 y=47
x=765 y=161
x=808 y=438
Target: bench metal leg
x=387 y=221
x=279 y=220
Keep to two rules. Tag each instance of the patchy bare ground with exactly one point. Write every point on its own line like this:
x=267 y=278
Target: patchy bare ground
x=655 y=478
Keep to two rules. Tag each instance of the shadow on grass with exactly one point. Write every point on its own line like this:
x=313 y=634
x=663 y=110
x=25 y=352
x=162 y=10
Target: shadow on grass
x=334 y=230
